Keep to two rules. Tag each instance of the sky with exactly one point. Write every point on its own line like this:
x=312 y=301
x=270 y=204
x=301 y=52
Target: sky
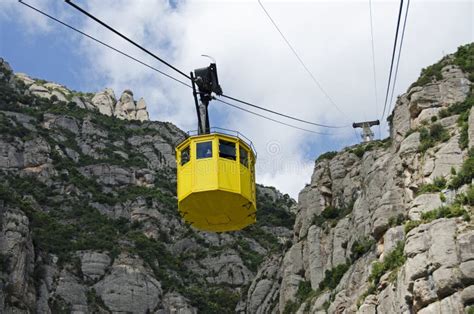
x=333 y=38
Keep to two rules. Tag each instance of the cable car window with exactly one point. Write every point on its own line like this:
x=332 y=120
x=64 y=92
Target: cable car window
x=185 y=156
x=204 y=150
x=244 y=157
x=227 y=150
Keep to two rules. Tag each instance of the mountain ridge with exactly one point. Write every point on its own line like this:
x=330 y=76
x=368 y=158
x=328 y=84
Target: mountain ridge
x=89 y=219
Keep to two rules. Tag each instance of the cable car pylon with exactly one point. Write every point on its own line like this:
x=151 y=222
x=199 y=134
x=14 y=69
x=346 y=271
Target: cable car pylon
x=367 y=135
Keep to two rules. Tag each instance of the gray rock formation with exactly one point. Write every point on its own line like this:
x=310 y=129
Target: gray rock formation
x=129 y=287
x=126 y=108
x=352 y=215
x=89 y=223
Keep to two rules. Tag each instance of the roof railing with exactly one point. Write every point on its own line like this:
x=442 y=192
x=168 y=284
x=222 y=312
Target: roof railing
x=223 y=131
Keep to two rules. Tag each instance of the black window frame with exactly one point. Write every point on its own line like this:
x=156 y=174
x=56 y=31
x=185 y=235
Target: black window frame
x=227 y=154
x=188 y=149
x=199 y=154
x=247 y=159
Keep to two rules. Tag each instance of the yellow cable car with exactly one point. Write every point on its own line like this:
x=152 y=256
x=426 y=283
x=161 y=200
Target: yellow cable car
x=216 y=181
x=215 y=169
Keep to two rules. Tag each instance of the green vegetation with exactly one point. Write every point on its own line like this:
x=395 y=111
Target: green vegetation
x=429 y=138
x=391 y=262
x=303 y=294
x=439 y=184
x=465 y=174
x=10 y=129
x=430 y=73
x=411 y=224
x=463 y=58
x=94 y=302
x=331 y=215
x=275 y=212
x=326 y=155
x=454 y=210
x=333 y=276
x=304 y=291
x=458 y=108
x=462 y=109
x=361 y=149
x=361 y=246
x=290 y=307
x=215 y=300
x=250 y=258
x=396 y=220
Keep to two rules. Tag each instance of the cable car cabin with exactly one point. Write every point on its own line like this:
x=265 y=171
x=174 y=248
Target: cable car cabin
x=216 y=182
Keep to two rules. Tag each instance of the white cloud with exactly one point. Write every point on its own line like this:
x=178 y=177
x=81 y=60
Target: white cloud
x=333 y=37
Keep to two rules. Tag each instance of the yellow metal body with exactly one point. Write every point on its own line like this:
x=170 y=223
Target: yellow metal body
x=216 y=189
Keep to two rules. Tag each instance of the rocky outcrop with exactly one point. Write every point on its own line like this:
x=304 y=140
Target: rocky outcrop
x=88 y=215
x=105 y=101
x=127 y=108
x=89 y=222
x=129 y=287
x=354 y=217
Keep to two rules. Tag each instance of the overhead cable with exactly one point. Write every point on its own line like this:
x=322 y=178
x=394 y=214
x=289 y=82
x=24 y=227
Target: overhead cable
x=373 y=64
x=103 y=43
x=283 y=115
x=399 y=54
x=126 y=38
x=313 y=78
x=271 y=119
x=393 y=59
x=179 y=81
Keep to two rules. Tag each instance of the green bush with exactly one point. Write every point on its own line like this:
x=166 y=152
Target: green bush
x=331 y=214
x=465 y=174
x=429 y=138
x=454 y=210
x=333 y=276
x=411 y=224
x=470 y=195
x=463 y=123
x=290 y=307
x=359 y=151
x=396 y=220
x=391 y=261
x=326 y=155
x=464 y=58
x=430 y=73
x=275 y=213
x=304 y=291
x=360 y=247
x=439 y=183
x=213 y=300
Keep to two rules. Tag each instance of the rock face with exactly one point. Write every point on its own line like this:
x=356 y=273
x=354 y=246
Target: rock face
x=369 y=235
x=89 y=222
x=88 y=215
x=126 y=108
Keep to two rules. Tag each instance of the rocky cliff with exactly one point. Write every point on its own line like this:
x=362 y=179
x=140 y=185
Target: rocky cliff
x=89 y=222
x=88 y=213
x=386 y=227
